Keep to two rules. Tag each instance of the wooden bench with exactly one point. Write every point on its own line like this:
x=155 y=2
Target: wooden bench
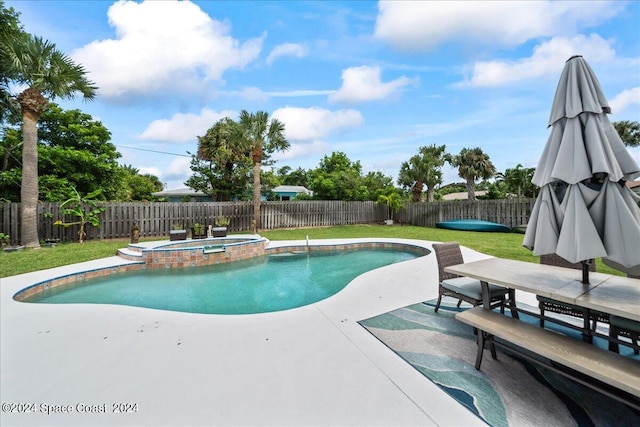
x=609 y=373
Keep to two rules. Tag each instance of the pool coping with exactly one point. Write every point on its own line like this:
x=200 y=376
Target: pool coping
x=307 y=366
x=159 y=255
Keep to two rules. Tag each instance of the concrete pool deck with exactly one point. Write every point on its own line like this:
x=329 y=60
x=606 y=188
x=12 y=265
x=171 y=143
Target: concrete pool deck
x=313 y=365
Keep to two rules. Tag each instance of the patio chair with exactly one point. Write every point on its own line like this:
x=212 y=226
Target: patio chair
x=621 y=327
x=555 y=306
x=464 y=288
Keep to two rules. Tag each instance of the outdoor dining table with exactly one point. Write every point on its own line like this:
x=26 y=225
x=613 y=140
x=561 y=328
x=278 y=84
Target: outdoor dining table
x=607 y=372
x=605 y=293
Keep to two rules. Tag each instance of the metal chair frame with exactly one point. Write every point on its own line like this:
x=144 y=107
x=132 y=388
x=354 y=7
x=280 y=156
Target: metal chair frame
x=450 y=254
x=615 y=331
x=560 y=307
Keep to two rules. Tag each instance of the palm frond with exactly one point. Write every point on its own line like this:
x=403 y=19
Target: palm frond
x=37 y=63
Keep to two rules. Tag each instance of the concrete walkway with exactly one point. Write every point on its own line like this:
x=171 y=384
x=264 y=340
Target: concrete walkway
x=310 y=366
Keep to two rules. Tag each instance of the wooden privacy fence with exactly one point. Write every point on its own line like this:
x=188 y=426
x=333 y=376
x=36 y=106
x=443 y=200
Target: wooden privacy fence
x=157 y=219
x=509 y=212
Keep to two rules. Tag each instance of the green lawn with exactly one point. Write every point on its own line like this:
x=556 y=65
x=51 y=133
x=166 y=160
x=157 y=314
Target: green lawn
x=503 y=245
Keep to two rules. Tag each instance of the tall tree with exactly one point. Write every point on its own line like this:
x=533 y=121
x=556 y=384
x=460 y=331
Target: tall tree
x=423 y=169
x=222 y=165
x=138 y=186
x=10 y=140
x=629 y=132
x=10 y=29
x=410 y=177
x=375 y=184
x=518 y=180
x=473 y=164
x=288 y=176
x=264 y=136
x=74 y=146
x=74 y=151
x=47 y=73
x=336 y=178
x=268 y=181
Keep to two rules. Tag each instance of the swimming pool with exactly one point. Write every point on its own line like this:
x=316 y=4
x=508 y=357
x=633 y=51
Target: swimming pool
x=280 y=281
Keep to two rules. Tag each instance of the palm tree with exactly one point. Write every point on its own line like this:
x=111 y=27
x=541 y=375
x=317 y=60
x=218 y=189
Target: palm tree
x=473 y=164
x=264 y=137
x=47 y=73
x=225 y=148
x=518 y=180
x=410 y=176
x=629 y=132
x=393 y=201
x=423 y=169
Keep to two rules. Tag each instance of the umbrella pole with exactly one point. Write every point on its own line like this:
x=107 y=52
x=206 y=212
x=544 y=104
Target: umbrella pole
x=585 y=272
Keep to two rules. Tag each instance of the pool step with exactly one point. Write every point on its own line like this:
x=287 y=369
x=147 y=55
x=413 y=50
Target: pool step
x=130 y=254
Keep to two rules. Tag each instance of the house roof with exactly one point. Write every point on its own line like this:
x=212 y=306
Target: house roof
x=179 y=192
x=291 y=189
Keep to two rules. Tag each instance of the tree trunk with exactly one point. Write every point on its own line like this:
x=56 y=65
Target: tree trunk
x=471 y=193
x=29 y=189
x=416 y=191
x=429 y=194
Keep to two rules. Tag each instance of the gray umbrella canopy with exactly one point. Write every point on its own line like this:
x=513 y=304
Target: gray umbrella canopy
x=584 y=210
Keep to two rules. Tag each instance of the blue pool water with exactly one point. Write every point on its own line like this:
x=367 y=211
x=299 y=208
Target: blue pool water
x=260 y=285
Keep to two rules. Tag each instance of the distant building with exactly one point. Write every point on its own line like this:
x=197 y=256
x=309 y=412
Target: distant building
x=462 y=196
x=634 y=186
x=282 y=192
x=183 y=194
x=289 y=192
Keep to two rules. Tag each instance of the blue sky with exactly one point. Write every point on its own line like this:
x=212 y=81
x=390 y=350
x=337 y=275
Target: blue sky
x=375 y=80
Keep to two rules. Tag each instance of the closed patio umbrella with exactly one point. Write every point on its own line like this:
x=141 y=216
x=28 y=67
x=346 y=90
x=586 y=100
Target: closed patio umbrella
x=584 y=210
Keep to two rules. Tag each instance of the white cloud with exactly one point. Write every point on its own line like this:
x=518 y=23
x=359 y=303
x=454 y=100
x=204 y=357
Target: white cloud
x=300 y=92
x=162 y=47
x=624 y=99
x=151 y=170
x=172 y=174
x=301 y=124
x=256 y=94
x=315 y=149
x=361 y=84
x=184 y=127
x=308 y=124
x=178 y=170
x=548 y=59
x=423 y=25
x=287 y=49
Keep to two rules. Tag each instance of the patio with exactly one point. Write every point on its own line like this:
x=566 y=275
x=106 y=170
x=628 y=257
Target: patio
x=314 y=365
